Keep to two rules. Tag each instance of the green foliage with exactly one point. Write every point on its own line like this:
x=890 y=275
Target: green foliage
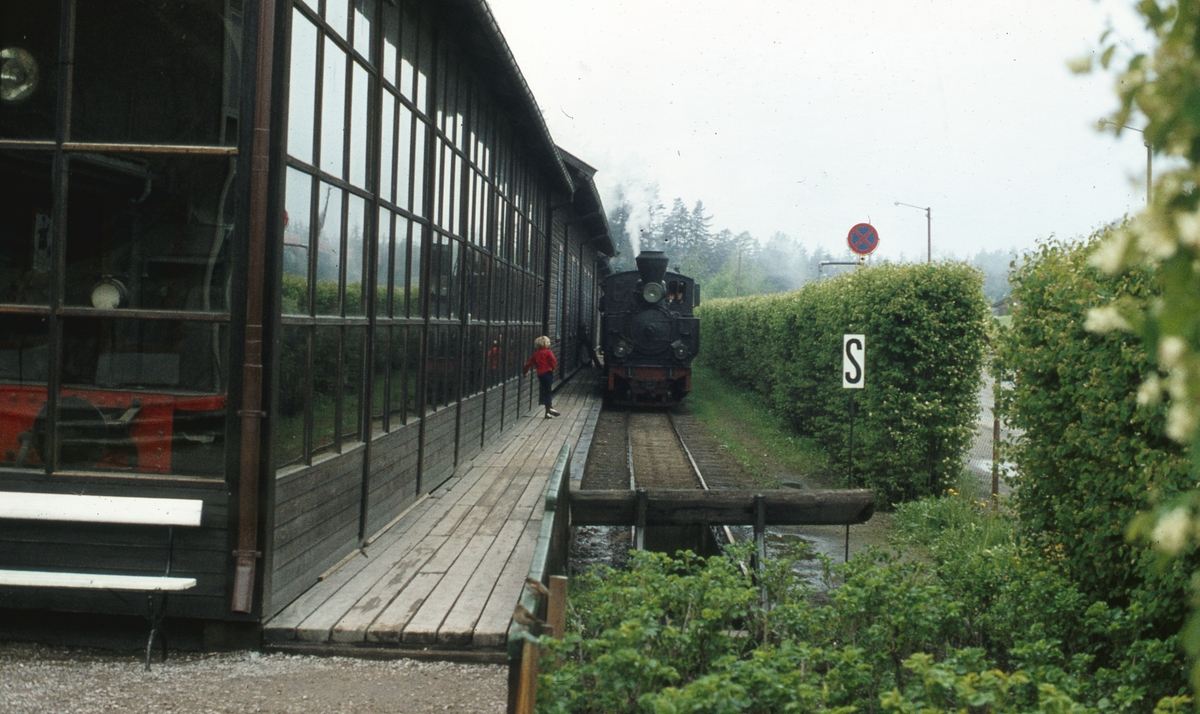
x=991 y=625
x=1090 y=456
x=739 y=275
x=1164 y=240
x=658 y=623
x=924 y=327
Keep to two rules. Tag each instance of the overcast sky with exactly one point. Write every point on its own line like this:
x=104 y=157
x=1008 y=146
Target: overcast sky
x=809 y=117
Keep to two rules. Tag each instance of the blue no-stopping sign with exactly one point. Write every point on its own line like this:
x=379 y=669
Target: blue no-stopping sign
x=863 y=238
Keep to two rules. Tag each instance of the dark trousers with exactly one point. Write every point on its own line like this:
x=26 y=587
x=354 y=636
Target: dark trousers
x=546 y=382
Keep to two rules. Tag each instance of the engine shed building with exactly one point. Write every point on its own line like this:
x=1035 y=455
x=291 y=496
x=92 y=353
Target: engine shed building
x=284 y=256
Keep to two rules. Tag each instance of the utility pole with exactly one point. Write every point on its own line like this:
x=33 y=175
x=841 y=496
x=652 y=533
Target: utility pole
x=928 y=228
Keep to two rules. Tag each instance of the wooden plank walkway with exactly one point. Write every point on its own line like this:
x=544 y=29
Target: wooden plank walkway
x=444 y=578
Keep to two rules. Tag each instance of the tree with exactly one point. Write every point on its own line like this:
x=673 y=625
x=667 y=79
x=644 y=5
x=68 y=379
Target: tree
x=996 y=266
x=786 y=262
x=739 y=276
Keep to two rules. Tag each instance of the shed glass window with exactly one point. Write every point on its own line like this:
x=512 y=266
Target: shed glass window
x=302 y=86
x=333 y=109
x=357 y=241
x=27 y=205
x=294 y=393
x=360 y=89
x=155 y=228
x=329 y=250
x=116 y=240
x=29 y=54
x=163 y=73
x=406 y=187
x=297 y=232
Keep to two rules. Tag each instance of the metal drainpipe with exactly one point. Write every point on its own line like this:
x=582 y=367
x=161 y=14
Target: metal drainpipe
x=251 y=413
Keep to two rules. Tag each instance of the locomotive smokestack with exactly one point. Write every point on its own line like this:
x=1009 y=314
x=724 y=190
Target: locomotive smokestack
x=652 y=265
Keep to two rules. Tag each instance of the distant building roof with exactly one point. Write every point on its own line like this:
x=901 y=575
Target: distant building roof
x=587 y=200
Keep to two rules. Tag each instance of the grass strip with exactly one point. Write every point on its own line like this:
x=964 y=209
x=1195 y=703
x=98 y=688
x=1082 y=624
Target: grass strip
x=760 y=441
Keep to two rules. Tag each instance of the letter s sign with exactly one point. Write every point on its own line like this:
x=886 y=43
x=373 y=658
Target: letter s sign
x=854 y=362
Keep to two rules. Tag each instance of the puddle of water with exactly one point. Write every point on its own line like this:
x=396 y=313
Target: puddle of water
x=781 y=542
x=593 y=546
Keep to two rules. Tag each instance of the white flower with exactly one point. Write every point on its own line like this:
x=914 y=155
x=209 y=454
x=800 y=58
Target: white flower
x=1189 y=229
x=1111 y=254
x=1170 y=349
x=1177 y=383
x=1156 y=242
x=1180 y=422
x=1172 y=530
x=1103 y=320
x=1150 y=392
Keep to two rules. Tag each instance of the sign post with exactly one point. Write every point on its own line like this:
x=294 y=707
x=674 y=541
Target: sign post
x=854 y=376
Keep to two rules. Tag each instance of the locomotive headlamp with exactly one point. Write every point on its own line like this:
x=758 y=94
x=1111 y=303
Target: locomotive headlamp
x=679 y=349
x=109 y=294
x=18 y=74
x=622 y=349
x=653 y=292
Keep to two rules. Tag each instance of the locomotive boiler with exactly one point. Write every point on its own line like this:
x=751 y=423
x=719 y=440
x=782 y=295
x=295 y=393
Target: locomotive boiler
x=649 y=334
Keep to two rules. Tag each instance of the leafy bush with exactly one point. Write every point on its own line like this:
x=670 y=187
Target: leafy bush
x=1089 y=456
x=993 y=625
x=924 y=327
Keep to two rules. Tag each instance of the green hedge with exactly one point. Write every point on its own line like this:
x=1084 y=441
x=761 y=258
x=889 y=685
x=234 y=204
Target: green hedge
x=1089 y=456
x=924 y=328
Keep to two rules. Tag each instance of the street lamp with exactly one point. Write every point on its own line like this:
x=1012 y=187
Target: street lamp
x=928 y=228
x=1149 y=152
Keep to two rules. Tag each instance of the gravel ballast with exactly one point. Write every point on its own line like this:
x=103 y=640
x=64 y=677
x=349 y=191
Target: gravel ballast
x=38 y=678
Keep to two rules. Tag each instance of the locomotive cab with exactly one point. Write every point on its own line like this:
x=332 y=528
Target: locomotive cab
x=649 y=332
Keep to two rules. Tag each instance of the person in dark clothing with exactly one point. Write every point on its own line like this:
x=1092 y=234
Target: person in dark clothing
x=543 y=359
x=587 y=351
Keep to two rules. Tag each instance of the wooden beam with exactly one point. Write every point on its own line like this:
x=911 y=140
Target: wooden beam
x=669 y=507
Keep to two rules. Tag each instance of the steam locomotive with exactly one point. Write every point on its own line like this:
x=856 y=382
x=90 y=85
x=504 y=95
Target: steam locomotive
x=648 y=332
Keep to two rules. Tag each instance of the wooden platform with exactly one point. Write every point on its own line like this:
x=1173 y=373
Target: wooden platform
x=444 y=578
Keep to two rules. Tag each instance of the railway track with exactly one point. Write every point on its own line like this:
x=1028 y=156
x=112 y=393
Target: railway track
x=657 y=456
x=673 y=450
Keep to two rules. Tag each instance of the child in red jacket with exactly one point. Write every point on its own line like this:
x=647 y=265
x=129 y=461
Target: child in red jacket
x=543 y=359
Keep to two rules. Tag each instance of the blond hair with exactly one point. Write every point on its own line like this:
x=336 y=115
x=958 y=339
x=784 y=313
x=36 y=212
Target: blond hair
x=542 y=342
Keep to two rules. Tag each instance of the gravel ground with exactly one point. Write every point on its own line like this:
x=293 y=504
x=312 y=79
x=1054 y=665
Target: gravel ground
x=37 y=678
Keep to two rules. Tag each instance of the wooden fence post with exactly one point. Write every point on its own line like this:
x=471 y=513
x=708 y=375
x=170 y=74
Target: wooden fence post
x=556 y=607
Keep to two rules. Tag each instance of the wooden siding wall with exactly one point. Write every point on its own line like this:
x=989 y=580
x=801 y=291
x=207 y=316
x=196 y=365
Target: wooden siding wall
x=470 y=426
x=393 y=476
x=316 y=518
x=201 y=552
x=438 y=458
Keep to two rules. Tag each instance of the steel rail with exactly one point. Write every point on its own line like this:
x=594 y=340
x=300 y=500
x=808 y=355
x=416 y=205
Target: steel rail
x=696 y=470
x=638 y=531
x=629 y=448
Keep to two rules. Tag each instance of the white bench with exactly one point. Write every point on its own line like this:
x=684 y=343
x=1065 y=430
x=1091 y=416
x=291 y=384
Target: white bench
x=163 y=512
